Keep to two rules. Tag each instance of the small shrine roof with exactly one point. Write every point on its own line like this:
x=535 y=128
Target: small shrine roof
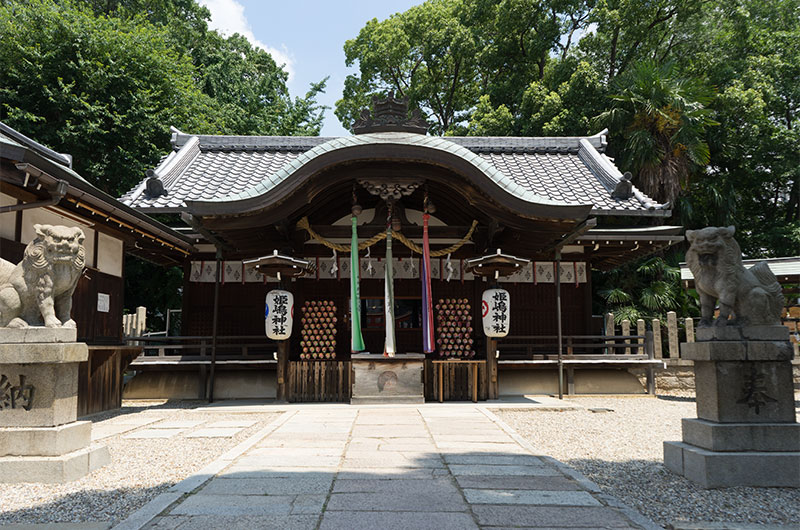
x=554 y=171
x=147 y=237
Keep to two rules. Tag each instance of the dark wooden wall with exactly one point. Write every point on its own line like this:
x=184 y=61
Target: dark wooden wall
x=94 y=327
x=533 y=309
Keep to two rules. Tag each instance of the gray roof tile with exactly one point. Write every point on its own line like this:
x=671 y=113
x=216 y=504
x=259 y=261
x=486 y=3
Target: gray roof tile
x=564 y=170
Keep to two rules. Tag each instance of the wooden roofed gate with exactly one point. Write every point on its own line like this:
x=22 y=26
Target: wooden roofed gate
x=558 y=202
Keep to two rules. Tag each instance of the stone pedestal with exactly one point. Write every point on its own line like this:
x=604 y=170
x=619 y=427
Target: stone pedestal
x=745 y=433
x=40 y=439
x=378 y=379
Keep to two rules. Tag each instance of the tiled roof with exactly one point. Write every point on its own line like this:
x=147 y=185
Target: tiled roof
x=569 y=170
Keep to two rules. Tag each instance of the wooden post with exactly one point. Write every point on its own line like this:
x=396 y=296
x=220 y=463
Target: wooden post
x=689 y=329
x=492 y=386
x=640 y=329
x=657 y=338
x=651 y=376
x=214 y=325
x=282 y=395
x=626 y=332
x=558 y=325
x=610 y=332
x=474 y=376
x=672 y=334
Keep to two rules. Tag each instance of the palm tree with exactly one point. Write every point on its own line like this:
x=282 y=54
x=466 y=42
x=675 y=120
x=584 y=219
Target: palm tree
x=662 y=118
x=644 y=289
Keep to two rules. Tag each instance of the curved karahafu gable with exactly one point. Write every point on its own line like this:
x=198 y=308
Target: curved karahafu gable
x=390 y=146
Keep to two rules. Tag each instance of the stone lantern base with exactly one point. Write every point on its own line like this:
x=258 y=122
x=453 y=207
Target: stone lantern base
x=40 y=439
x=745 y=433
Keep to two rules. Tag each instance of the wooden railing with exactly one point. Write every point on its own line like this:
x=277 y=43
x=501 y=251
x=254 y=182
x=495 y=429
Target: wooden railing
x=542 y=347
x=580 y=351
x=191 y=351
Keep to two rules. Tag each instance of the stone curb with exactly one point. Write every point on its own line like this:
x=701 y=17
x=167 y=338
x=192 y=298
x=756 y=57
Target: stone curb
x=152 y=509
x=633 y=515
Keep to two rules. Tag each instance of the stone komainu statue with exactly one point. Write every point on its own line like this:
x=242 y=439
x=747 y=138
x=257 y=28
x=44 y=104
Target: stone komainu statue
x=38 y=291
x=752 y=296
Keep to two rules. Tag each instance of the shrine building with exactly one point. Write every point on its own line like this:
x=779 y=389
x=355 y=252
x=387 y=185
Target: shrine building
x=552 y=204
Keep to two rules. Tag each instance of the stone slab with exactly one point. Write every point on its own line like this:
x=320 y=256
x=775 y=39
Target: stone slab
x=741 y=436
x=742 y=333
x=397 y=521
x=378 y=379
x=530 y=497
x=46 y=394
x=236 y=505
x=551 y=483
x=501 y=471
x=549 y=516
x=423 y=487
x=408 y=501
x=737 y=351
x=154 y=433
x=245 y=471
x=500 y=460
x=233 y=423
x=177 y=424
x=38 y=334
x=297 y=485
x=45 y=441
x=714 y=469
x=744 y=392
x=53 y=469
x=390 y=473
x=43 y=352
x=236 y=522
x=215 y=432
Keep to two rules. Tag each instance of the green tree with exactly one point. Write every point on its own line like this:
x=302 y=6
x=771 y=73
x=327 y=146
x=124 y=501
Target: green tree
x=662 y=119
x=444 y=54
x=646 y=289
x=752 y=57
x=103 y=89
x=425 y=54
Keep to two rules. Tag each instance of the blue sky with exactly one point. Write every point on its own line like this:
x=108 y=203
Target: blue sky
x=307 y=35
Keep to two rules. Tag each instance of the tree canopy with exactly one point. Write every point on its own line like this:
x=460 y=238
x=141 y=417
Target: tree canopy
x=104 y=81
x=701 y=98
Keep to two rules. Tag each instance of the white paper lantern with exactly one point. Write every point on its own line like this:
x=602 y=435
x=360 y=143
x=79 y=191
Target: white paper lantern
x=496 y=312
x=279 y=314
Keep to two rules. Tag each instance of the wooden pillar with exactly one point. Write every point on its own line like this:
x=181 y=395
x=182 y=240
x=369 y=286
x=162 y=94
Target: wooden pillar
x=492 y=386
x=651 y=376
x=214 y=326
x=558 y=325
x=282 y=394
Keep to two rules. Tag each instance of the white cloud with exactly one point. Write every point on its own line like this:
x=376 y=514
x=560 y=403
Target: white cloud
x=227 y=17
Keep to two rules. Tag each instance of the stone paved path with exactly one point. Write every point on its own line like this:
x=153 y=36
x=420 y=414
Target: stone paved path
x=387 y=468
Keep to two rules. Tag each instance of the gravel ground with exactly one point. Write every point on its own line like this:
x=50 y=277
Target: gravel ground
x=621 y=451
x=140 y=469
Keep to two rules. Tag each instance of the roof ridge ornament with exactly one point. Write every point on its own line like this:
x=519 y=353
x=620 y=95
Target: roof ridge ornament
x=390 y=115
